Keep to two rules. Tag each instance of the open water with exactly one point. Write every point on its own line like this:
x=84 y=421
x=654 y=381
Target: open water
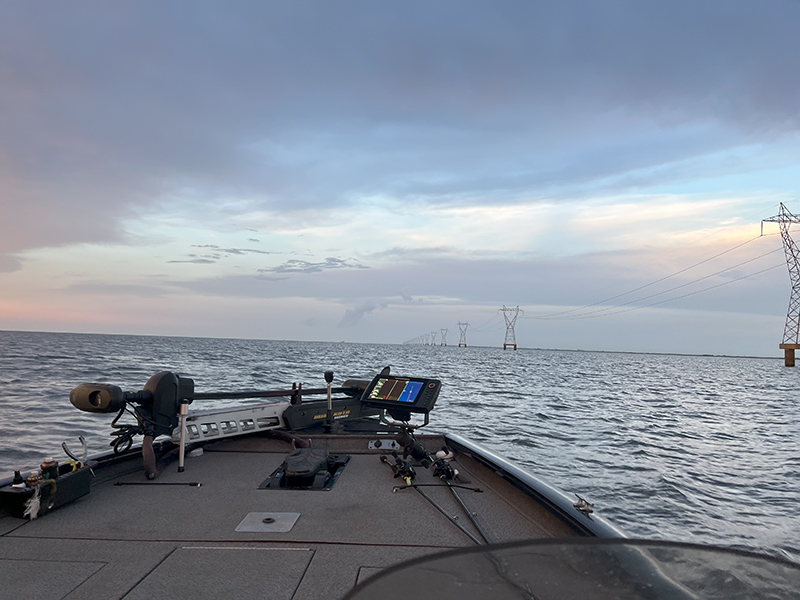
x=692 y=448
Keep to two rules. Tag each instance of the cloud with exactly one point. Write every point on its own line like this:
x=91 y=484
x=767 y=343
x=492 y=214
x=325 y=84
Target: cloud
x=218 y=254
x=303 y=266
x=353 y=316
x=9 y=264
x=237 y=251
x=415 y=254
x=109 y=112
x=196 y=261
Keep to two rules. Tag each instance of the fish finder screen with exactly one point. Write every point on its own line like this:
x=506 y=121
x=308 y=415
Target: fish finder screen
x=396 y=390
x=401 y=394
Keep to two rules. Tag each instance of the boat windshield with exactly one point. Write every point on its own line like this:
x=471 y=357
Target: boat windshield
x=586 y=568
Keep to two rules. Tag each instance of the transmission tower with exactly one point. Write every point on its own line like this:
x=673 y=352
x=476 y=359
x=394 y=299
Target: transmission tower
x=462 y=329
x=511 y=339
x=791 y=332
x=433 y=338
x=444 y=337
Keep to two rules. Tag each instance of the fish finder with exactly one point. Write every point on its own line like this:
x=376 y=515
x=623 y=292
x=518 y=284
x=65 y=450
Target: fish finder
x=401 y=396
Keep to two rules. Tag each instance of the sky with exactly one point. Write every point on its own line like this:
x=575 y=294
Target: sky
x=377 y=172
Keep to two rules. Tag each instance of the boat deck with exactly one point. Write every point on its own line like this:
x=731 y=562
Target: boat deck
x=181 y=541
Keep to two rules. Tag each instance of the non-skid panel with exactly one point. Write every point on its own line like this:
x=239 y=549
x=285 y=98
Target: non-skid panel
x=225 y=572
x=34 y=579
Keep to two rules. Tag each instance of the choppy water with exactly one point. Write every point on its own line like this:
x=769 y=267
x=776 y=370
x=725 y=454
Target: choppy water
x=697 y=449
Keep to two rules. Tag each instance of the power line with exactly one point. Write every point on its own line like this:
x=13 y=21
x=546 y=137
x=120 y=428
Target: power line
x=482 y=328
x=719 y=285
x=646 y=285
x=672 y=289
x=703 y=237
x=510 y=314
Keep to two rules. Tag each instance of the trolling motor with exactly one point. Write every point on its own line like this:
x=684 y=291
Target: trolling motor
x=156 y=409
x=161 y=406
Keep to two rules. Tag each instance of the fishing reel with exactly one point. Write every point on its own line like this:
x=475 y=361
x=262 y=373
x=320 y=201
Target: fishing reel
x=156 y=409
x=439 y=463
x=402 y=468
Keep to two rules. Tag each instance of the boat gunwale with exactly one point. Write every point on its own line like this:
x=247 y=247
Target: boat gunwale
x=556 y=501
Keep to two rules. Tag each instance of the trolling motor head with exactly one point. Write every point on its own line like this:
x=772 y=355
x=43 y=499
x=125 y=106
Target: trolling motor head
x=97 y=397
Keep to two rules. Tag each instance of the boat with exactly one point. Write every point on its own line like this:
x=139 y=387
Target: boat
x=327 y=492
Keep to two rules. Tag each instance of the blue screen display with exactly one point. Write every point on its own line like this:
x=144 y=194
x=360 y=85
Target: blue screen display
x=396 y=390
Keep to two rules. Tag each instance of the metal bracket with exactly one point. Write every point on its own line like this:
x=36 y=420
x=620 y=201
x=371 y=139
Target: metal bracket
x=384 y=445
x=383 y=419
x=583 y=505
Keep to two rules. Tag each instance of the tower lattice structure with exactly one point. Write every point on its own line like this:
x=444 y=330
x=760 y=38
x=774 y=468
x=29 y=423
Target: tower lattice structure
x=462 y=330
x=510 y=315
x=444 y=337
x=791 y=332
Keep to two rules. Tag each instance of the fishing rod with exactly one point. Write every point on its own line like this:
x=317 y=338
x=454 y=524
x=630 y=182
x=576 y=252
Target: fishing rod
x=440 y=467
x=403 y=468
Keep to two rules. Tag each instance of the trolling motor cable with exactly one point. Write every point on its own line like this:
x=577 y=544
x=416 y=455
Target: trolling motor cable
x=125 y=432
